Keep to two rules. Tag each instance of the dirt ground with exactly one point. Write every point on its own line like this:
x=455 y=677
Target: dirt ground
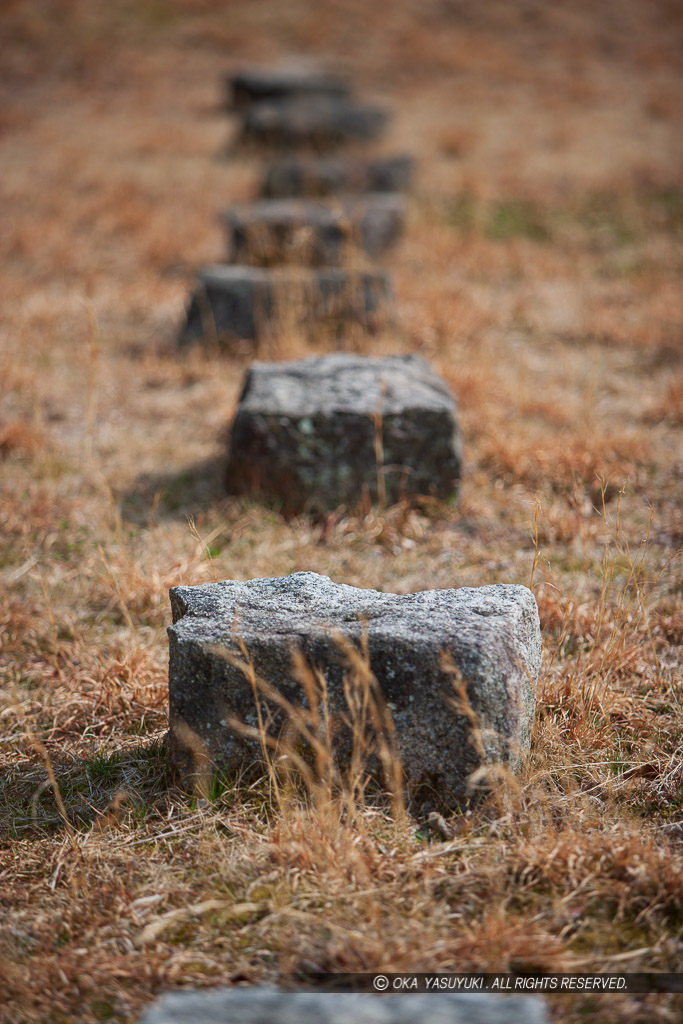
x=540 y=273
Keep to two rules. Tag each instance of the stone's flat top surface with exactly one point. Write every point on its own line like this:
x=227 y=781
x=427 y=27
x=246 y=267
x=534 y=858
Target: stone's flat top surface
x=264 y=1005
x=333 y=165
x=302 y=175
x=314 y=105
x=347 y=383
x=306 y=604
x=227 y=274
x=299 y=211
x=287 y=78
x=315 y=115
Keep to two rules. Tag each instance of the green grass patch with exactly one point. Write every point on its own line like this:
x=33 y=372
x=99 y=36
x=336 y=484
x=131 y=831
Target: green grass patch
x=517 y=218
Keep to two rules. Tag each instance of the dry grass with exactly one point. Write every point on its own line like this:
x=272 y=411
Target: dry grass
x=540 y=272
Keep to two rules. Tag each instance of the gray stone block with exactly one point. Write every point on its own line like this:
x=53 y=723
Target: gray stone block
x=314 y=121
x=310 y=232
x=332 y=175
x=255 y=84
x=237 y=302
x=264 y=1005
x=306 y=433
x=492 y=635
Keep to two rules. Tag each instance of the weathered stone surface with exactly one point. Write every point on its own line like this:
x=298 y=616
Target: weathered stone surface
x=264 y=1005
x=254 y=84
x=233 y=302
x=307 y=433
x=310 y=232
x=332 y=175
x=492 y=635
x=315 y=121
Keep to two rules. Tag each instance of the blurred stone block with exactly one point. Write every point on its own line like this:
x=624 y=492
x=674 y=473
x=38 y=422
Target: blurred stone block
x=490 y=634
x=310 y=433
x=310 y=232
x=264 y=1005
x=238 y=302
x=315 y=121
x=252 y=85
x=332 y=175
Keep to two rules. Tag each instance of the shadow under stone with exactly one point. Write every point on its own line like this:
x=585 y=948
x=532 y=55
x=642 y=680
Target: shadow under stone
x=87 y=787
x=192 y=489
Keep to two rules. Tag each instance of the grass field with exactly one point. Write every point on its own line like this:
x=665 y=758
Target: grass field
x=541 y=274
